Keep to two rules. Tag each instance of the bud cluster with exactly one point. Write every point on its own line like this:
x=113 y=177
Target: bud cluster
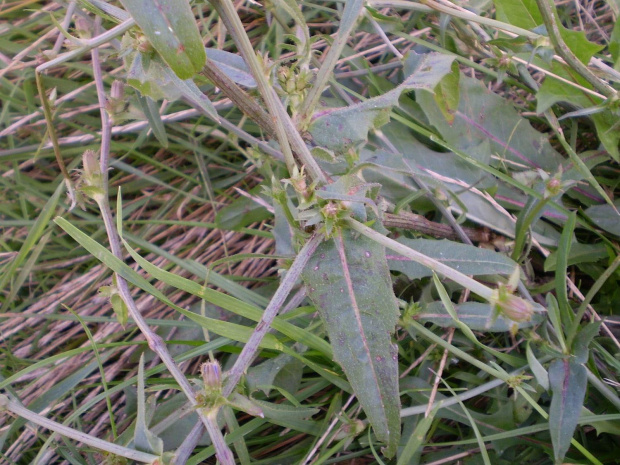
x=294 y=84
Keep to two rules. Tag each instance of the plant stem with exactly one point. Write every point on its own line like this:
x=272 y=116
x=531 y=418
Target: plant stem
x=430 y=5
x=228 y=14
x=240 y=97
x=51 y=130
x=450 y=273
x=17 y=409
x=548 y=15
x=278 y=299
x=155 y=342
x=351 y=12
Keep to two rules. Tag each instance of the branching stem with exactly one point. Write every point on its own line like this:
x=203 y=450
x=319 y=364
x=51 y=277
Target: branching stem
x=154 y=341
x=286 y=133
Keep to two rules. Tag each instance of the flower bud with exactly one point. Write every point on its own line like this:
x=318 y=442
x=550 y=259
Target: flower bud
x=330 y=210
x=553 y=187
x=118 y=90
x=512 y=307
x=211 y=375
x=90 y=162
x=143 y=45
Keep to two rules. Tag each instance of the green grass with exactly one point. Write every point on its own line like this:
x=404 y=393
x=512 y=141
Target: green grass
x=482 y=140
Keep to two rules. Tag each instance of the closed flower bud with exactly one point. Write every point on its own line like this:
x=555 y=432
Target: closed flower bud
x=118 y=90
x=90 y=161
x=514 y=307
x=211 y=375
x=92 y=179
x=553 y=187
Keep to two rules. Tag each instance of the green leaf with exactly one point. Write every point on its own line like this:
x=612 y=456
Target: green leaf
x=150 y=110
x=579 y=43
x=553 y=310
x=482 y=117
x=521 y=13
x=120 y=309
x=561 y=292
x=349 y=283
x=583 y=339
x=143 y=439
x=340 y=128
x=282 y=370
x=579 y=253
x=605 y=217
x=417 y=438
x=477 y=316
x=285 y=411
x=152 y=78
x=171 y=28
x=568 y=382
x=541 y=375
x=614 y=45
x=554 y=91
x=34 y=235
x=467 y=259
x=447 y=93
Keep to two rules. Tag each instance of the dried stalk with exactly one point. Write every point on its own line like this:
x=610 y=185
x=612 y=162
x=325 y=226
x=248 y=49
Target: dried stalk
x=414 y=222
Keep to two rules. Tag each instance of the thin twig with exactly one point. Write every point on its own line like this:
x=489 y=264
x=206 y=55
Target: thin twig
x=414 y=222
x=154 y=341
x=286 y=285
x=132 y=454
x=351 y=12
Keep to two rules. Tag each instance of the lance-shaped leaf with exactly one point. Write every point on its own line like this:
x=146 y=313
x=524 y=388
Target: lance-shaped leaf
x=476 y=315
x=170 y=27
x=349 y=282
x=340 y=128
x=568 y=382
x=462 y=257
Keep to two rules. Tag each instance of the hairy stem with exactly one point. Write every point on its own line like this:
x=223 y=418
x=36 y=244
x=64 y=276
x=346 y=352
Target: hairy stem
x=154 y=341
x=246 y=103
x=228 y=14
x=352 y=10
x=286 y=285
